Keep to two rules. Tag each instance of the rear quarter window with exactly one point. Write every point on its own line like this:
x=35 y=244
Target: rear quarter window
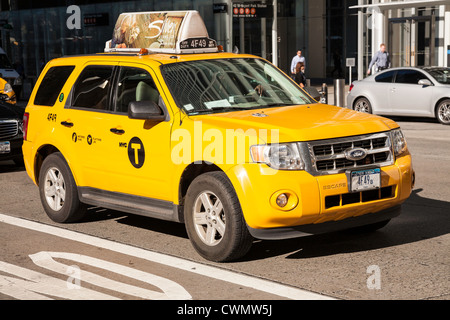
x=385 y=77
x=52 y=84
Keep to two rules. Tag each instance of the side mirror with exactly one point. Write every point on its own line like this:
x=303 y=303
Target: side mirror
x=425 y=82
x=145 y=110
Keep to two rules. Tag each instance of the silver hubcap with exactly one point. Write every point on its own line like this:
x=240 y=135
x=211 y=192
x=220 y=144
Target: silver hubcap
x=209 y=218
x=362 y=106
x=54 y=189
x=444 y=112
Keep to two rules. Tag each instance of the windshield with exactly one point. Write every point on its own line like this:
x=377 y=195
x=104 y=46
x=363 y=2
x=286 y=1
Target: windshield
x=224 y=85
x=442 y=75
x=4 y=62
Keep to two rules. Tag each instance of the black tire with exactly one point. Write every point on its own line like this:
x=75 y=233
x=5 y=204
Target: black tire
x=228 y=237
x=443 y=112
x=368 y=228
x=362 y=105
x=58 y=191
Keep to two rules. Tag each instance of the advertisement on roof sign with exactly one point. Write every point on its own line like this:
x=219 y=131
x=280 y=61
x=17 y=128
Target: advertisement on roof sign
x=147 y=30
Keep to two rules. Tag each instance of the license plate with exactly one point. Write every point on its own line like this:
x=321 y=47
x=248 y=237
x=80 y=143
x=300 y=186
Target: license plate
x=365 y=179
x=5 y=147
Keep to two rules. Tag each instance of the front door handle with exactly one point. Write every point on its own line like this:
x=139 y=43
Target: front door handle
x=67 y=124
x=117 y=131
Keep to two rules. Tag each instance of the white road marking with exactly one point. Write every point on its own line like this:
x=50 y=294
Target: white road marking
x=182 y=264
x=171 y=290
x=34 y=283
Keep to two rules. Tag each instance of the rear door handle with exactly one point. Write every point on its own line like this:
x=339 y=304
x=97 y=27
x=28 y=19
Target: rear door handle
x=67 y=124
x=117 y=131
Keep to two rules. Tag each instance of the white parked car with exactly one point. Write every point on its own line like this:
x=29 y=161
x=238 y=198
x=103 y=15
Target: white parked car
x=406 y=91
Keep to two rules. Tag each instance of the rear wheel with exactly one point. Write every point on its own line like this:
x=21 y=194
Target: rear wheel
x=214 y=220
x=363 y=105
x=443 y=112
x=58 y=191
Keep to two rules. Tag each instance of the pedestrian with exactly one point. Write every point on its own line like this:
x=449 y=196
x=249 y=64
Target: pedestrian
x=297 y=58
x=381 y=60
x=300 y=77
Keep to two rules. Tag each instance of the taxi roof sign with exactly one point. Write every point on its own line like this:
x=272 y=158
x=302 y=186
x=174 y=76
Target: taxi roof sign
x=161 y=31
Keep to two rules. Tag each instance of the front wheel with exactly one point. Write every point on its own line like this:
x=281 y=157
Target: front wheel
x=214 y=219
x=363 y=105
x=58 y=191
x=443 y=112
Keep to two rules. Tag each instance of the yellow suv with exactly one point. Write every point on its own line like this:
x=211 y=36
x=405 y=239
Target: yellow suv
x=225 y=143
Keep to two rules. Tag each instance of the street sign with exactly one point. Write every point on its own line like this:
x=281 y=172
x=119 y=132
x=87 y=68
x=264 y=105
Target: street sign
x=350 y=62
x=252 y=10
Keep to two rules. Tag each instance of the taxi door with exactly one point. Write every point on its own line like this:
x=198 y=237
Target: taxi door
x=141 y=149
x=84 y=122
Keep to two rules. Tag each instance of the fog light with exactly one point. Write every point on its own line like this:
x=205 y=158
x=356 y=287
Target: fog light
x=282 y=200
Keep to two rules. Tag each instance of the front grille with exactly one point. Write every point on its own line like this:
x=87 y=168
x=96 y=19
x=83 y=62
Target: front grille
x=8 y=129
x=359 y=197
x=328 y=156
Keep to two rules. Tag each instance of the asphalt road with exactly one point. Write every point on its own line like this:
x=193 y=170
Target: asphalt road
x=407 y=259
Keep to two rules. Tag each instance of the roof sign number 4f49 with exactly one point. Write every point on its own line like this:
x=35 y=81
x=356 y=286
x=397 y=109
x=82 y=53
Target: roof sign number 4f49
x=194 y=43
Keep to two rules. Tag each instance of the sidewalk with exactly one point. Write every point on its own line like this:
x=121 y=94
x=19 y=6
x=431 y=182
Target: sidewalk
x=331 y=93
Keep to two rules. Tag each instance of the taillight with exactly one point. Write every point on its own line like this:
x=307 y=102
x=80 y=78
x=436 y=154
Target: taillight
x=351 y=87
x=26 y=117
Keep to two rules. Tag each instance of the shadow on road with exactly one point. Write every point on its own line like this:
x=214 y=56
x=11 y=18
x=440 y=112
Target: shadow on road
x=413 y=119
x=10 y=166
x=151 y=224
x=421 y=218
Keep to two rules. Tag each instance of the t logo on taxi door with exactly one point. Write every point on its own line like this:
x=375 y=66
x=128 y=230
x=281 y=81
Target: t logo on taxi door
x=136 y=152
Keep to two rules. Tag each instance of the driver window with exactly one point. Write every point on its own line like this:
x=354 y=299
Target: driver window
x=134 y=85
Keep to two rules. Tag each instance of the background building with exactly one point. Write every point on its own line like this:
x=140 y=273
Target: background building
x=417 y=32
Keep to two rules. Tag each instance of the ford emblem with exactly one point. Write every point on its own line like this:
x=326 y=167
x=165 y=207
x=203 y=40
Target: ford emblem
x=355 y=154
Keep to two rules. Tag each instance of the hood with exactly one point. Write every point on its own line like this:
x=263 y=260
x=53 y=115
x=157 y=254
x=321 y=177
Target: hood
x=300 y=122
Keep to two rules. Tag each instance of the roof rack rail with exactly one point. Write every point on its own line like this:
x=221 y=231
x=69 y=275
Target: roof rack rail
x=173 y=32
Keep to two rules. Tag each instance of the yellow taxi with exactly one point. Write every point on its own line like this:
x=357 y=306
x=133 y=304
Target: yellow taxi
x=6 y=92
x=225 y=143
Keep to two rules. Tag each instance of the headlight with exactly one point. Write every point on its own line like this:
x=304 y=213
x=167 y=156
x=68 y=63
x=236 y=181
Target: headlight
x=8 y=88
x=283 y=156
x=398 y=141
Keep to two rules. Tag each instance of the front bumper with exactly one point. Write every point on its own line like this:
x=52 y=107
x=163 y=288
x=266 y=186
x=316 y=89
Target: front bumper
x=321 y=203
x=16 y=149
x=325 y=227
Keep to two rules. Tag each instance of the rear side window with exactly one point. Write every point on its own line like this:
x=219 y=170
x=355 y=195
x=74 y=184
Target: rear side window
x=385 y=77
x=91 y=90
x=52 y=84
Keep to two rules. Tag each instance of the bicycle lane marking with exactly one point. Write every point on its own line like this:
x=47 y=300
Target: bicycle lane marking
x=251 y=282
